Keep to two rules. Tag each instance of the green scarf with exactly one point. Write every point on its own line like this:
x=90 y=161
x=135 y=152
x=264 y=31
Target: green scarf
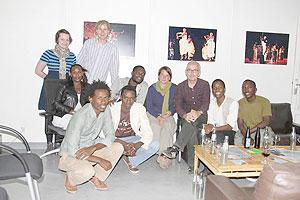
x=165 y=92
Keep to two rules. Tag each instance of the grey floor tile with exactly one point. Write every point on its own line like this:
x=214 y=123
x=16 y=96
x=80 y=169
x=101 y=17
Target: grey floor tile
x=152 y=183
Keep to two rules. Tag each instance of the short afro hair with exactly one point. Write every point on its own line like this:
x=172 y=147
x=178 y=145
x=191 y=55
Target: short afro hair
x=138 y=66
x=218 y=80
x=251 y=81
x=128 y=88
x=97 y=85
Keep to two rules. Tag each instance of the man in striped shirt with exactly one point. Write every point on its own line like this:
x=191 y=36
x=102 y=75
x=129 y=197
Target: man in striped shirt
x=99 y=56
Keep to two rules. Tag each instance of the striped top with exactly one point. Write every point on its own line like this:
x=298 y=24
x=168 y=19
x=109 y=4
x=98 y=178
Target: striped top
x=99 y=59
x=52 y=61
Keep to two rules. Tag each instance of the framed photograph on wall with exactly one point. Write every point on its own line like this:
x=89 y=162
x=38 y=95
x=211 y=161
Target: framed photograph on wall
x=266 y=48
x=123 y=35
x=197 y=44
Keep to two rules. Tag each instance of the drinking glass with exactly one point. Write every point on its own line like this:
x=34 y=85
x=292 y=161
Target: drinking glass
x=198 y=184
x=265 y=151
x=218 y=151
x=266 y=146
x=276 y=140
x=207 y=142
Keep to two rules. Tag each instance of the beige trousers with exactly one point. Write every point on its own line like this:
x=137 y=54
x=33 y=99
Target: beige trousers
x=80 y=171
x=163 y=133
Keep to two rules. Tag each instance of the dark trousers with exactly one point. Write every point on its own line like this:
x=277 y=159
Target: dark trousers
x=189 y=136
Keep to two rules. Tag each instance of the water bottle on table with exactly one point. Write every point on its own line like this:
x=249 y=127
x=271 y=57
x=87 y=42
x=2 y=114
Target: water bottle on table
x=224 y=151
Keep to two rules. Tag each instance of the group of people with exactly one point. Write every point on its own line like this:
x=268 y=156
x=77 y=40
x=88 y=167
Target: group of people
x=130 y=119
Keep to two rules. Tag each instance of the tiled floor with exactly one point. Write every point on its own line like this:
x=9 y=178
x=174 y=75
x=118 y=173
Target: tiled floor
x=152 y=183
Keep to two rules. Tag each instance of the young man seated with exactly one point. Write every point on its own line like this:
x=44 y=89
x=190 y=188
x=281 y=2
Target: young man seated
x=88 y=151
x=137 y=81
x=132 y=129
x=254 y=112
x=222 y=114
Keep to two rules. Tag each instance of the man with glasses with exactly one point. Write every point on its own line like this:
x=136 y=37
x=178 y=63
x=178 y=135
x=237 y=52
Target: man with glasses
x=192 y=99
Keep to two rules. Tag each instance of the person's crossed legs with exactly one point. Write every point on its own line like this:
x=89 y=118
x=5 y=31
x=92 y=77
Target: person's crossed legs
x=142 y=154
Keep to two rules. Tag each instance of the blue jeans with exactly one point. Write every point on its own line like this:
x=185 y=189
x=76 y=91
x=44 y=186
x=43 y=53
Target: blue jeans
x=142 y=154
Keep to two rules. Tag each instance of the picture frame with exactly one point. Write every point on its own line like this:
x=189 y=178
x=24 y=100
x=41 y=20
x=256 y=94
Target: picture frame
x=122 y=35
x=187 y=43
x=266 y=48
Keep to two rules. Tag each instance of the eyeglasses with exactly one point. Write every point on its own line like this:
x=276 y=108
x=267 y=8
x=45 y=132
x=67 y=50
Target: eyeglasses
x=192 y=70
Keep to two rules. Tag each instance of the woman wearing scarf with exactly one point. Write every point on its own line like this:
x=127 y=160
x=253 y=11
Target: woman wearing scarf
x=58 y=60
x=160 y=106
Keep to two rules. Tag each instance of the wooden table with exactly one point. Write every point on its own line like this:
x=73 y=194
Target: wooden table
x=251 y=168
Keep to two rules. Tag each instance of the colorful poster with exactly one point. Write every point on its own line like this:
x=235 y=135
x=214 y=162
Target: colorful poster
x=197 y=44
x=266 y=48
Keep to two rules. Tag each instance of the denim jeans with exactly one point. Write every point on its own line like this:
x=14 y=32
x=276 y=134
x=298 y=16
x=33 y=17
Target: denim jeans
x=142 y=154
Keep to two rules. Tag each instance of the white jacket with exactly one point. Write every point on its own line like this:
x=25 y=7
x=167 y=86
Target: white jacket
x=138 y=120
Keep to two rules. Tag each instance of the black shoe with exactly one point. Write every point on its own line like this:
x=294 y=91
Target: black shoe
x=171 y=152
x=50 y=147
x=57 y=145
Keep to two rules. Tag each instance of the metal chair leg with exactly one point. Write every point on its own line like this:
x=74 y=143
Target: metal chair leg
x=30 y=185
x=36 y=188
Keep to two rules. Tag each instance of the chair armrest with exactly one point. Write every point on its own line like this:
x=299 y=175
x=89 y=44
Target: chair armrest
x=45 y=114
x=10 y=131
x=297 y=125
x=221 y=187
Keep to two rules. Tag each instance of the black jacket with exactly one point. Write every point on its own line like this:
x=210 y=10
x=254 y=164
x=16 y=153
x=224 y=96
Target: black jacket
x=67 y=99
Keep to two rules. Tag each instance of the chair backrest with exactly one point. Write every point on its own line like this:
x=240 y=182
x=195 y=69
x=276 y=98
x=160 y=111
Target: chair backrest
x=51 y=89
x=282 y=120
x=278 y=181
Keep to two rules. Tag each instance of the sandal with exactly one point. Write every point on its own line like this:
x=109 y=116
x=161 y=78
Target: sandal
x=69 y=188
x=132 y=169
x=99 y=185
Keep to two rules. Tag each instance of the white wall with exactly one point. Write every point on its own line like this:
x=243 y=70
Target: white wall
x=28 y=28
x=273 y=81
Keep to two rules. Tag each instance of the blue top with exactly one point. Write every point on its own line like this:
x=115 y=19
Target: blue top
x=52 y=61
x=154 y=100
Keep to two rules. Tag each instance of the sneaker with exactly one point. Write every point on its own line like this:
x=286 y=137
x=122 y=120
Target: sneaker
x=70 y=188
x=171 y=152
x=99 y=185
x=130 y=167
